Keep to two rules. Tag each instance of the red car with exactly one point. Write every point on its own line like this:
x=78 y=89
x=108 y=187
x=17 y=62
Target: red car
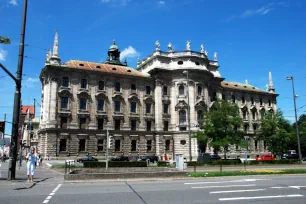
x=265 y=157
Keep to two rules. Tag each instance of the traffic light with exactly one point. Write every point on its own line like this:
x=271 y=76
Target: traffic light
x=109 y=141
x=2 y=126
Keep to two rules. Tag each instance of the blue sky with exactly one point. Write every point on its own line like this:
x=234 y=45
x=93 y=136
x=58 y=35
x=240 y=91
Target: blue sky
x=251 y=38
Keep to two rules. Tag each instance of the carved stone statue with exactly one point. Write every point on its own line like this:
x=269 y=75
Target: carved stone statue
x=157 y=45
x=188 y=45
x=202 y=48
x=215 y=56
x=206 y=53
x=267 y=87
x=48 y=55
x=170 y=47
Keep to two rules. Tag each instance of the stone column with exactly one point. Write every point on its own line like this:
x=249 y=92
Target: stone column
x=192 y=105
x=158 y=105
x=92 y=108
x=52 y=122
x=141 y=108
x=173 y=96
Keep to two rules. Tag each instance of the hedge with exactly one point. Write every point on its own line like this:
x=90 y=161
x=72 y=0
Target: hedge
x=282 y=161
x=115 y=164
x=163 y=164
x=226 y=162
x=193 y=163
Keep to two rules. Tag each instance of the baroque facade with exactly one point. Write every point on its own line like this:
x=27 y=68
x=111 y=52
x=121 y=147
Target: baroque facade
x=144 y=109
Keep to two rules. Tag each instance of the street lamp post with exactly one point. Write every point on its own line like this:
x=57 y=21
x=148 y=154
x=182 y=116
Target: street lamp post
x=189 y=128
x=296 y=122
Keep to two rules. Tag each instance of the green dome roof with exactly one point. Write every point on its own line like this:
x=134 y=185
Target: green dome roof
x=113 y=46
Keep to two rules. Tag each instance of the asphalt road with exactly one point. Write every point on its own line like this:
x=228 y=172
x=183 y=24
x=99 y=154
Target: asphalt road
x=50 y=188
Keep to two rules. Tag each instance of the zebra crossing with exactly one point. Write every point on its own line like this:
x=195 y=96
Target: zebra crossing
x=246 y=189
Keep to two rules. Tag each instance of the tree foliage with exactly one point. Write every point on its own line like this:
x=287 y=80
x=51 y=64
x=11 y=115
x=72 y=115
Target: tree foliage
x=221 y=126
x=4 y=40
x=276 y=131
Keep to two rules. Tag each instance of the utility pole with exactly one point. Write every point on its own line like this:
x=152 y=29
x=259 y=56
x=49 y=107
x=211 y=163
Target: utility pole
x=16 y=112
x=4 y=131
x=189 y=128
x=296 y=120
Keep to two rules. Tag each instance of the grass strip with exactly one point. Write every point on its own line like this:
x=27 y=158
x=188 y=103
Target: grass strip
x=246 y=173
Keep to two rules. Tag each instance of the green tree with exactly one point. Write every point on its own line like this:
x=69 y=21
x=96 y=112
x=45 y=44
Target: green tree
x=276 y=131
x=222 y=126
x=302 y=131
x=4 y=40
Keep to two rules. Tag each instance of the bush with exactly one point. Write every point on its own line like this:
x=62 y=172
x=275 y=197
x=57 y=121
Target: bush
x=163 y=164
x=115 y=164
x=226 y=162
x=193 y=163
x=285 y=161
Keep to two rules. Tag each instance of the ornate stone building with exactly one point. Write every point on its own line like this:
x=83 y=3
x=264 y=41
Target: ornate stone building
x=144 y=109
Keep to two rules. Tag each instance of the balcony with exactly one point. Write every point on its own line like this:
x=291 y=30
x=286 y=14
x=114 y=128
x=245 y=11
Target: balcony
x=64 y=112
x=134 y=115
x=83 y=113
x=149 y=115
x=118 y=115
x=166 y=115
x=101 y=114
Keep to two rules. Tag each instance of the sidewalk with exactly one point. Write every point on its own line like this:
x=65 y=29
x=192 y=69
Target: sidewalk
x=42 y=175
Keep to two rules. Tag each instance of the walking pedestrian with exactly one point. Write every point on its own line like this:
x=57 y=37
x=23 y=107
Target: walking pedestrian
x=31 y=161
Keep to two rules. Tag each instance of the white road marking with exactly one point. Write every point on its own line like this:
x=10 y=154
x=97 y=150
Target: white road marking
x=224 y=186
x=232 y=181
x=237 y=191
x=278 y=187
x=51 y=194
x=261 y=197
x=49 y=165
x=297 y=187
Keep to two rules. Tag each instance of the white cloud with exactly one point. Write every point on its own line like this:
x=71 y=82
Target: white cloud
x=30 y=82
x=3 y=54
x=261 y=11
x=160 y=3
x=129 y=52
x=13 y=2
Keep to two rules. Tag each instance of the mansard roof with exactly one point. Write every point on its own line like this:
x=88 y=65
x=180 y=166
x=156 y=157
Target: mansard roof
x=243 y=87
x=101 y=67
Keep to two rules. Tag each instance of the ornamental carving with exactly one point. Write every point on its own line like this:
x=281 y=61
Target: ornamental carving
x=181 y=105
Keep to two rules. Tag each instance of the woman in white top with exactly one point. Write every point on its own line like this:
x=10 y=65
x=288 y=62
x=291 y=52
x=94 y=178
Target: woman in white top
x=31 y=160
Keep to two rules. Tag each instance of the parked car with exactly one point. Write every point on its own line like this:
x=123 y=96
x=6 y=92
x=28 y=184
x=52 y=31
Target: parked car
x=89 y=158
x=120 y=158
x=290 y=156
x=152 y=159
x=214 y=157
x=265 y=157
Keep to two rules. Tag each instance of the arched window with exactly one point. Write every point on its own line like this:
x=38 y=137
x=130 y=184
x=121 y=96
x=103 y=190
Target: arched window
x=181 y=90
x=182 y=117
x=244 y=114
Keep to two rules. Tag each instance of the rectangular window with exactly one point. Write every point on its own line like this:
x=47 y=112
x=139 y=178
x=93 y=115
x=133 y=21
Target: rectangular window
x=133 y=87
x=82 y=144
x=64 y=102
x=233 y=98
x=63 y=143
x=134 y=145
x=199 y=90
x=100 y=124
x=245 y=128
x=256 y=144
x=148 y=107
x=117 y=106
x=223 y=97
x=117 y=87
x=166 y=124
x=133 y=124
x=167 y=145
x=117 y=145
x=148 y=90
x=83 y=102
x=260 y=101
x=149 y=125
x=214 y=96
x=165 y=90
x=100 y=144
x=101 y=85
x=243 y=100
x=149 y=145
x=84 y=84
x=254 y=127
x=117 y=124
x=63 y=122
x=254 y=115
x=100 y=105
x=269 y=102
x=83 y=123
x=65 y=82
x=133 y=107
x=252 y=100
x=166 y=107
